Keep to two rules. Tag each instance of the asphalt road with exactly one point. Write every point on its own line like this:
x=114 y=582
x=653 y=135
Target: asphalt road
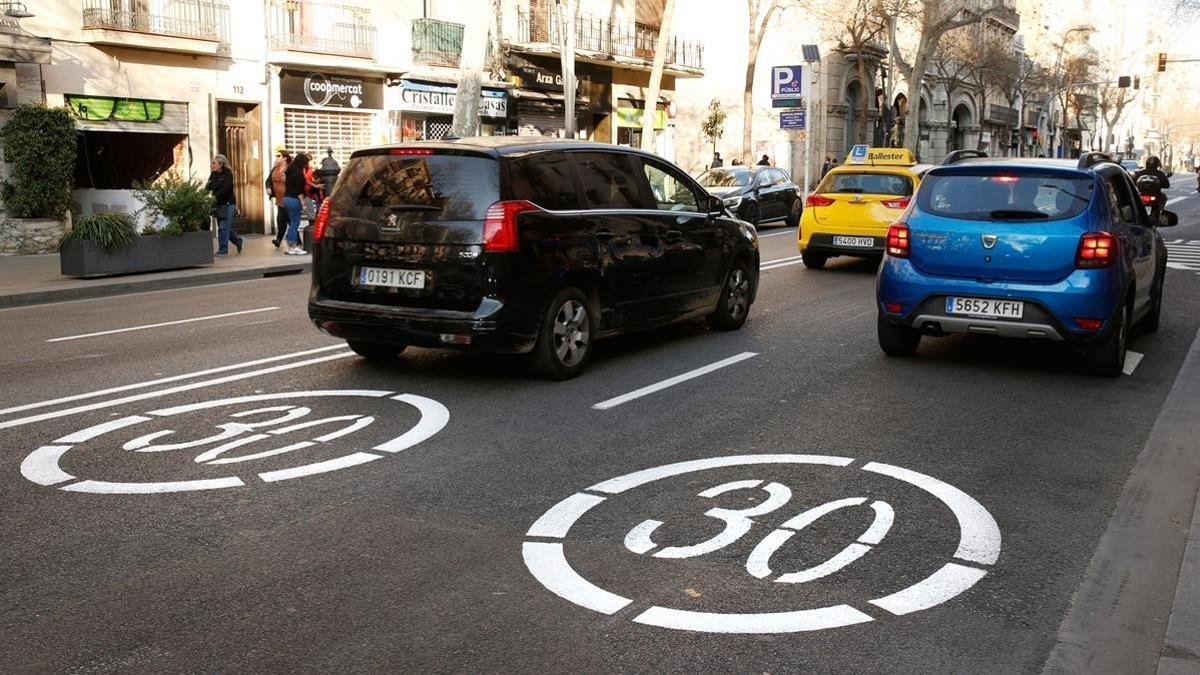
x=979 y=476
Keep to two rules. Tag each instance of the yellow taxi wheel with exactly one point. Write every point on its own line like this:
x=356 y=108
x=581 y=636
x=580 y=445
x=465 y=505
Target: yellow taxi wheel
x=813 y=261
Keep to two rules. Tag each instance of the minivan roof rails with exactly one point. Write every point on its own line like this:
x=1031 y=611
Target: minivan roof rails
x=959 y=155
x=1089 y=159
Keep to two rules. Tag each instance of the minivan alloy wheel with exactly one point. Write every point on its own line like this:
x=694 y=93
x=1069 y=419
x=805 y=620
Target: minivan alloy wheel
x=571 y=332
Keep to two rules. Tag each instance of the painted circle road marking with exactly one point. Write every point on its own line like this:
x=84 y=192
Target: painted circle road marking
x=246 y=428
x=978 y=545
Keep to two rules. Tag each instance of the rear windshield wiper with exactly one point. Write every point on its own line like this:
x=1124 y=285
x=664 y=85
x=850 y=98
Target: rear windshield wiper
x=850 y=191
x=1015 y=214
x=413 y=207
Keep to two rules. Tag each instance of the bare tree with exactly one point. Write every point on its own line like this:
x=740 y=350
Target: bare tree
x=1076 y=71
x=650 y=113
x=855 y=25
x=760 y=19
x=1016 y=76
x=932 y=19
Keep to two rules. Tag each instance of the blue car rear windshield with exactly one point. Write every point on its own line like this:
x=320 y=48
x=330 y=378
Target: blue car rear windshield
x=1005 y=196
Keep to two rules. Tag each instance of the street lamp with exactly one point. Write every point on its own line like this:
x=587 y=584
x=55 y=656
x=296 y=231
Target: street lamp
x=811 y=55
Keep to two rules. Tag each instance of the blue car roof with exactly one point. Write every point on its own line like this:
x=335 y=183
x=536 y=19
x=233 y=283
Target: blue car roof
x=973 y=165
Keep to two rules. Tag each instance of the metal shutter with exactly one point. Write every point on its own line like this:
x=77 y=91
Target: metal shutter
x=311 y=131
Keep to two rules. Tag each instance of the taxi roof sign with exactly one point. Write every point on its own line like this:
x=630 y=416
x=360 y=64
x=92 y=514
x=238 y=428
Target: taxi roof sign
x=861 y=154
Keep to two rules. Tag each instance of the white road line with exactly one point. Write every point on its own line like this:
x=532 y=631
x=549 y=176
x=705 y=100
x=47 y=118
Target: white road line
x=173 y=378
x=160 y=325
x=777 y=234
x=670 y=382
x=1132 y=359
x=775 y=267
x=166 y=392
x=947 y=582
x=319 y=467
x=776 y=622
x=1177 y=199
x=778 y=260
x=549 y=565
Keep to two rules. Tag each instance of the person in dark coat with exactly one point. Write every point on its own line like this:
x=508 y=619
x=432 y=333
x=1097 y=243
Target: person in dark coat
x=220 y=184
x=717 y=162
x=765 y=161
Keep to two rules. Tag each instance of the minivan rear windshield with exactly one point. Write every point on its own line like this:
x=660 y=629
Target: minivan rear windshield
x=428 y=188
x=1004 y=197
x=866 y=183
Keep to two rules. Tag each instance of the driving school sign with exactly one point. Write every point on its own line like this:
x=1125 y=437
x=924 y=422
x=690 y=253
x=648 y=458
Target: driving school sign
x=328 y=90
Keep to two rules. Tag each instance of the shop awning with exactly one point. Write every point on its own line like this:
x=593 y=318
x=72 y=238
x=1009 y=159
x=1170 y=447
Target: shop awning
x=109 y=113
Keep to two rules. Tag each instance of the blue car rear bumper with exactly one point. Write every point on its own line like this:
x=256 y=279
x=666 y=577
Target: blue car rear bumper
x=1050 y=309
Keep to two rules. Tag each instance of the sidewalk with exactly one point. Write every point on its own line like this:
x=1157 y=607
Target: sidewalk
x=36 y=279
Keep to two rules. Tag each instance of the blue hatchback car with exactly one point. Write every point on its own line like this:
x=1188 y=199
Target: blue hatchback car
x=1039 y=249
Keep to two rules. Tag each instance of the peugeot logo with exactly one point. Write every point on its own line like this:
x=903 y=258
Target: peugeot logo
x=989 y=240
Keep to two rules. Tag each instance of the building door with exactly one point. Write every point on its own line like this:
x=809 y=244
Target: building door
x=240 y=139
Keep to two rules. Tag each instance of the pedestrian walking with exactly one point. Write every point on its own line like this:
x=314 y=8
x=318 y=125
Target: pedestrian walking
x=275 y=188
x=328 y=172
x=295 y=186
x=826 y=166
x=765 y=161
x=220 y=184
x=717 y=162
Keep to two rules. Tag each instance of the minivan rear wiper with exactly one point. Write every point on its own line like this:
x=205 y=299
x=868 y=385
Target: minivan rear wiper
x=1016 y=214
x=413 y=207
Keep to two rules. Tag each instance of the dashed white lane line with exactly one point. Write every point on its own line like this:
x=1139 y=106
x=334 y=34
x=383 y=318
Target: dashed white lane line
x=166 y=392
x=1174 y=200
x=777 y=234
x=165 y=380
x=163 y=324
x=670 y=382
x=1132 y=359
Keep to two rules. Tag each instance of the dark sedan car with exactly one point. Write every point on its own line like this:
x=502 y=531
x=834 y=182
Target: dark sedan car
x=520 y=245
x=759 y=195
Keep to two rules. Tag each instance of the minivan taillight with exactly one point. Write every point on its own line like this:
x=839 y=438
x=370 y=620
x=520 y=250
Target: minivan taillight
x=500 y=225
x=897 y=240
x=320 y=221
x=818 y=200
x=1096 y=249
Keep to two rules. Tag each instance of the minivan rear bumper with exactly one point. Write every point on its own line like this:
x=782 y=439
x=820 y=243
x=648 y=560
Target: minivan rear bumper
x=489 y=328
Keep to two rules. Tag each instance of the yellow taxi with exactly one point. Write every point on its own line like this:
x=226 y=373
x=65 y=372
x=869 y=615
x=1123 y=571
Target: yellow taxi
x=851 y=208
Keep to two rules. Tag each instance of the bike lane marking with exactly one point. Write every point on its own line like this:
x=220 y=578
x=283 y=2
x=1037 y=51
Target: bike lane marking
x=979 y=547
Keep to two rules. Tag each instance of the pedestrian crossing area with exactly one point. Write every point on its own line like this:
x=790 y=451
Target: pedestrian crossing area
x=1184 y=255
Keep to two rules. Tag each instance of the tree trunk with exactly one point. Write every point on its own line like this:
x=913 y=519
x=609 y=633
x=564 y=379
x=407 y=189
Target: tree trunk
x=470 y=75
x=567 y=17
x=912 y=124
x=660 y=61
x=756 y=32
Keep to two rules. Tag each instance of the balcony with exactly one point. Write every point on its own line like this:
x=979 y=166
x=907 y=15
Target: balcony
x=315 y=27
x=998 y=114
x=437 y=43
x=188 y=26
x=600 y=40
x=1031 y=118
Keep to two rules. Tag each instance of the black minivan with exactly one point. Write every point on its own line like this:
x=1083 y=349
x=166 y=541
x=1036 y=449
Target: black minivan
x=517 y=245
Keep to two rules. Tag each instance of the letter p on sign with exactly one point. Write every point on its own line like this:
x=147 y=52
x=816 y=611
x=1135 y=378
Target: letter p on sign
x=787 y=82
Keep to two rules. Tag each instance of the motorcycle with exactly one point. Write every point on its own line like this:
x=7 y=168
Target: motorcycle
x=1150 y=191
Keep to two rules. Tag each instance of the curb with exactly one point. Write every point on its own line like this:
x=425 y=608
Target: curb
x=85 y=292
x=1139 y=578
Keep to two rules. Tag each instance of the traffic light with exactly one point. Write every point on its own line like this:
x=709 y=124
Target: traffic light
x=1014 y=139
x=1137 y=82
x=1162 y=62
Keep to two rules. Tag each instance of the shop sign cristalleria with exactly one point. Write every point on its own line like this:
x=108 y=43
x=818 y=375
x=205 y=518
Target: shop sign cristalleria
x=327 y=90
x=440 y=99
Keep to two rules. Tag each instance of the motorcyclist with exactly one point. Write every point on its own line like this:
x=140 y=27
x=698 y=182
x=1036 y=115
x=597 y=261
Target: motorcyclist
x=1153 y=168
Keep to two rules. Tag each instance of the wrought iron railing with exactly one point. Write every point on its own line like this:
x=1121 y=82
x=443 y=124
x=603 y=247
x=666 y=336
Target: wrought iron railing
x=321 y=26
x=616 y=38
x=437 y=43
x=199 y=19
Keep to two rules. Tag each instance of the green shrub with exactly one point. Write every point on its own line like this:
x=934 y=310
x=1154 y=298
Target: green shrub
x=184 y=204
x=111 y=230
x=39 y=147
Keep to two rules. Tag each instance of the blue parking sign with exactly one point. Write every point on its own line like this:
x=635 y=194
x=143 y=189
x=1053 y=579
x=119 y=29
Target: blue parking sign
x=787 y=82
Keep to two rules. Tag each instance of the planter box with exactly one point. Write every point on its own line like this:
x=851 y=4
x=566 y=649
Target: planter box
x=145 y=254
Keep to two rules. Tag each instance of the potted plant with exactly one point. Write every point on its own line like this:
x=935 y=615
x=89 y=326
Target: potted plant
x=39 y=150
x=108 y=244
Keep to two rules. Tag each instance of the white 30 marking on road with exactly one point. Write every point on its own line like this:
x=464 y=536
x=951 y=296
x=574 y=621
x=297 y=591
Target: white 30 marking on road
x=162 y=325
x=1132 y=359
x=979 y=544
x=43 y=465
